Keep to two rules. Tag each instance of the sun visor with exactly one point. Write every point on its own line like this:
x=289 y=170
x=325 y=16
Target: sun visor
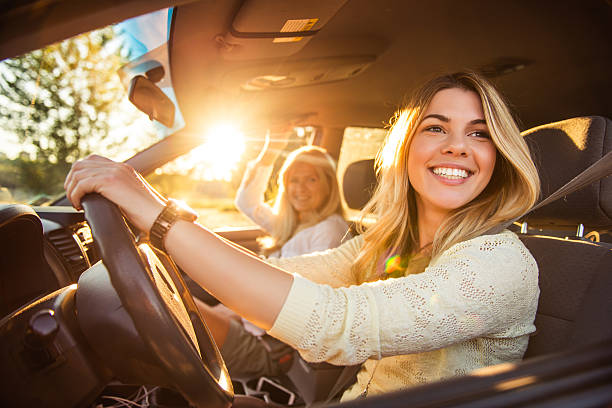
x=275 y=28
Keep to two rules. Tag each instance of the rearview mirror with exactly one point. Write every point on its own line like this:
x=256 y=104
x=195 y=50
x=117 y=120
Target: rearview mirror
x=148 y=98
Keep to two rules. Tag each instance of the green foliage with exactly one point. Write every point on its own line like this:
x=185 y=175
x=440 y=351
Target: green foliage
x=57 y=102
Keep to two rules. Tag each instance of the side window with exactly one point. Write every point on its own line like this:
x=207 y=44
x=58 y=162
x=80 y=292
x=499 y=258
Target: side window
x=208 y=177
x=358 y=144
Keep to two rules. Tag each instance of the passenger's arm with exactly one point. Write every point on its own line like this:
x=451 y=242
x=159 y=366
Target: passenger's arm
x=250 y=195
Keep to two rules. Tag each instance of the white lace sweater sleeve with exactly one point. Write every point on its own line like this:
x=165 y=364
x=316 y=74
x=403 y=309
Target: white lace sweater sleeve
x=486 y=287
x=250 y=196
x=330 y=267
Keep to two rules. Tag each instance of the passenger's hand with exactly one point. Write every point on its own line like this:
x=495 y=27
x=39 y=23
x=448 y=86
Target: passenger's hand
x=276 y=141
x=278 y=137
x=119 y=183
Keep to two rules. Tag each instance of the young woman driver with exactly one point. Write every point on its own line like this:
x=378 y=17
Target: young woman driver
x=454 y=165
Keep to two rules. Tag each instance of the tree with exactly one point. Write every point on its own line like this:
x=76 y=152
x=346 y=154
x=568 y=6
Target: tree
x=60 y=103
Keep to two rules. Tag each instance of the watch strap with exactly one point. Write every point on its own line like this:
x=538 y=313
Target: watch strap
x=172 y=212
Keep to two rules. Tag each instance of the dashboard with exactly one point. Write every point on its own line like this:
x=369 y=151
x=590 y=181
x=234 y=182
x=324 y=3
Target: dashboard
x=42 y=249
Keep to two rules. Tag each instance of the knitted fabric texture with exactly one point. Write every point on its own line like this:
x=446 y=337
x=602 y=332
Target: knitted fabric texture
x=472 y=307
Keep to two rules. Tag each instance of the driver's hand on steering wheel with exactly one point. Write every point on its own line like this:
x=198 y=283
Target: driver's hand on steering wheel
x=119 y=183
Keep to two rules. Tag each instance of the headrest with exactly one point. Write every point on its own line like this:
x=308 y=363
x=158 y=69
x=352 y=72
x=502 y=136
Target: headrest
x=562 y=150
x=358 y=183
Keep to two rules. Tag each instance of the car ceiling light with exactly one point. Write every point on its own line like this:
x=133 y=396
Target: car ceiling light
x=268 y=82
x=504 y=66
x=303 y=72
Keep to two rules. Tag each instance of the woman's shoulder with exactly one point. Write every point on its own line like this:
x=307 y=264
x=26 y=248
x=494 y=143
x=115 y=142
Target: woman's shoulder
x=334 y=219
x=498 y=248
x=491 y=264
x=334 y=222
x=334 y=225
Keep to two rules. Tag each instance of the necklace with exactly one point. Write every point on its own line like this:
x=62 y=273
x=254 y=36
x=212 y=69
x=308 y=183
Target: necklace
x=367 y=387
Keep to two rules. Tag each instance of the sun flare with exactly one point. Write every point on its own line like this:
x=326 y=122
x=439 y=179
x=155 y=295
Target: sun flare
x=221 y=152
x=215 y=158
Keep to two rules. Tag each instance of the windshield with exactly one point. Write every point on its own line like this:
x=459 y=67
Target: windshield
x=61 y=103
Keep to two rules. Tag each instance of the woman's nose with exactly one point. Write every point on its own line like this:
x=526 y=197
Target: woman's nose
x=300 y=186
x=455 y=145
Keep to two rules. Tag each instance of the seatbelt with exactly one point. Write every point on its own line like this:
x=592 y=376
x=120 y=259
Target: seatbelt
x=598 y=170
x=344 y=379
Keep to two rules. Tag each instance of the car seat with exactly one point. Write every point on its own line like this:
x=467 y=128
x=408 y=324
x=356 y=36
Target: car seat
x=25 y=274
x=575 y=305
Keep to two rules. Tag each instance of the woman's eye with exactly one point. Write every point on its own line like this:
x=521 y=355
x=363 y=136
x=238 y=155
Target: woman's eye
x=435 y=129
x=481 y=134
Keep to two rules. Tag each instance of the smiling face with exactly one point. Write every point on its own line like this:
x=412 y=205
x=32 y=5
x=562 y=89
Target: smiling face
x=451 y=156
x=306 y=189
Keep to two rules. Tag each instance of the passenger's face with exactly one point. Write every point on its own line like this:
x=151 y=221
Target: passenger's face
x=451 y=156
x=305 y=189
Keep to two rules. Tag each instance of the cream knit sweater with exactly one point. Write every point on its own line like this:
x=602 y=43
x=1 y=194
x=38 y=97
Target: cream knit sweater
x=472 y=307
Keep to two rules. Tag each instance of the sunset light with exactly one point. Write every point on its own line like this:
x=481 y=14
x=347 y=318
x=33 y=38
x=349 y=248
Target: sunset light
x=222 y=150
x=215 y=158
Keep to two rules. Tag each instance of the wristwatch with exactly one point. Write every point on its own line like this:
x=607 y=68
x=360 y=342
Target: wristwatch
x=173 y=211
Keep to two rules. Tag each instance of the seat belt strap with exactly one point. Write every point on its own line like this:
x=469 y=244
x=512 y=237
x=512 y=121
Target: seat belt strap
x=344 y=379
x=598 y=170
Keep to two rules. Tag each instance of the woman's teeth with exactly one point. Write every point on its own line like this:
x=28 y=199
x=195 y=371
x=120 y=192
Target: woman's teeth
x=450 y=173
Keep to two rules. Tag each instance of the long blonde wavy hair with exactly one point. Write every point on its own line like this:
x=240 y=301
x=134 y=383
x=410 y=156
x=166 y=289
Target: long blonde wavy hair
x=514 y=186
x=287 y=220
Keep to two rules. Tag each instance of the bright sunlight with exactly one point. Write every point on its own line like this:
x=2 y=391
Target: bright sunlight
x=216 y=157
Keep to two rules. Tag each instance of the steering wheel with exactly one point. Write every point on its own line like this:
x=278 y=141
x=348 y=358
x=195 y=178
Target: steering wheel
x=179 y=347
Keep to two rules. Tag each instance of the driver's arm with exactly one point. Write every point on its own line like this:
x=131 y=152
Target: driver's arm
x=240 y=280
x=330 y=267
x=243 y=282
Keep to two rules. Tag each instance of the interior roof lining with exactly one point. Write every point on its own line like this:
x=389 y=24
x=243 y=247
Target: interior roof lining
x=552 y=37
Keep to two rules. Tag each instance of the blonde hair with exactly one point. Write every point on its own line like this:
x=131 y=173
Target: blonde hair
x=514 y=186
x=287 y=219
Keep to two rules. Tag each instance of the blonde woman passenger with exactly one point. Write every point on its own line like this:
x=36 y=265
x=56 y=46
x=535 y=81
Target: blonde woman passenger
x=422 y=295
x=307 y=215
